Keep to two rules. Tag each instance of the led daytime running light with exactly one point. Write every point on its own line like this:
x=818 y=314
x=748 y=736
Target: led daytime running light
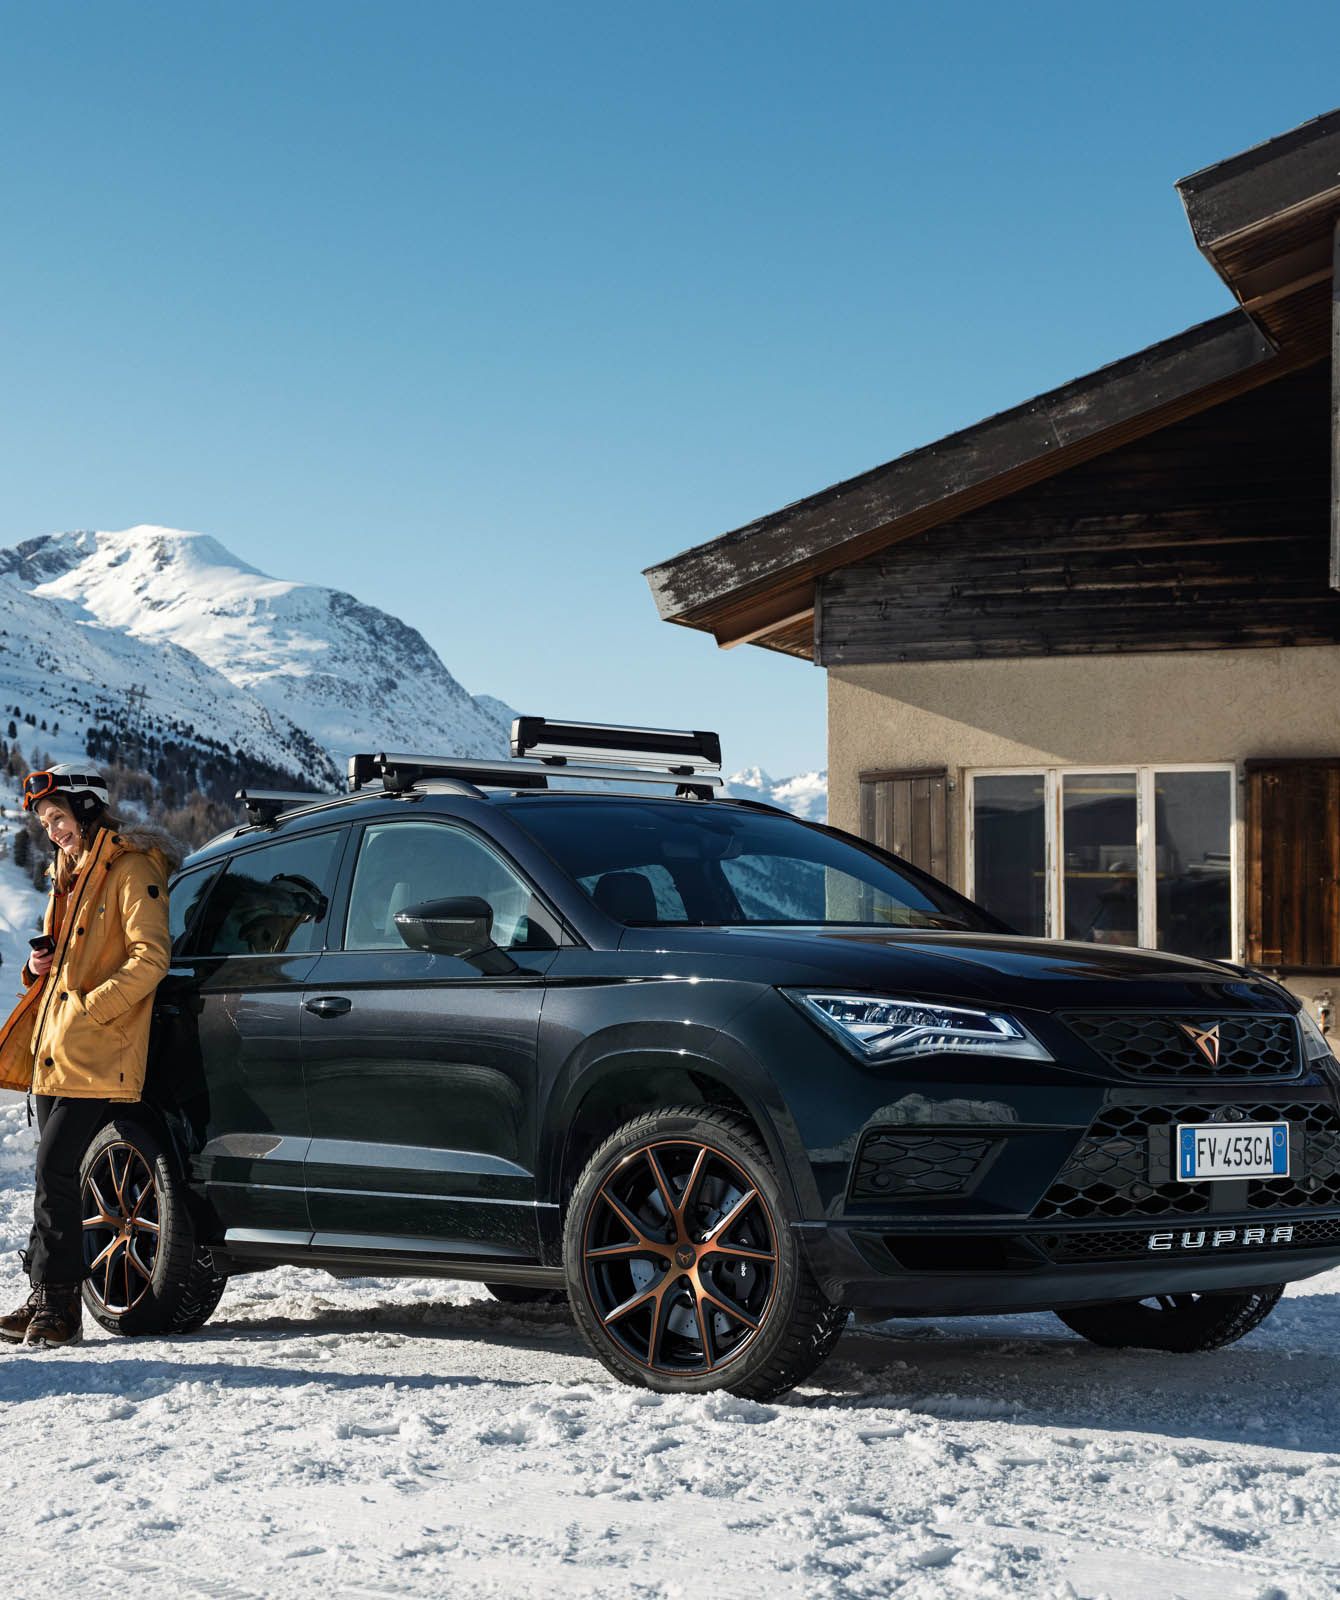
x=885 y=1028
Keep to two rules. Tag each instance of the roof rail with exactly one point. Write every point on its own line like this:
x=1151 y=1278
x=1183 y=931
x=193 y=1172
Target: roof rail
x=263 y=806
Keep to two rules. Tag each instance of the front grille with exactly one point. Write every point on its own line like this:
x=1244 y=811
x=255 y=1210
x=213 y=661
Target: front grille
x=1115 y=1244
x=897 y=1164
x=1239 y=1046
x=1115 y=1172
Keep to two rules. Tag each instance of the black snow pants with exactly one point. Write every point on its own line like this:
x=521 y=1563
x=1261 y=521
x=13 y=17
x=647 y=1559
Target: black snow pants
x=56 y=1244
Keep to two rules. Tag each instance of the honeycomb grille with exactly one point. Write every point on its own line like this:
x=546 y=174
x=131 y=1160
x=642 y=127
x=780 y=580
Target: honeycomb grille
x=1114 y=1244
x=894 y=1164
x=1110 y=1173
x=1239 y=1046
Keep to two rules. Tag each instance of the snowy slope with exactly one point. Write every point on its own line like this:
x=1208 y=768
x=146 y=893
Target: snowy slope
x=413 y=1438
x=67 y=670
x=345 y=673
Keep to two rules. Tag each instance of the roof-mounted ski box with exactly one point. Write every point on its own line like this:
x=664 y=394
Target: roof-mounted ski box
x=556 y=743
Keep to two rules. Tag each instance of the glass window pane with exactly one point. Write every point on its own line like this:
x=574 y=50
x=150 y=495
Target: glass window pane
x=1192 y=822
x=404 y=863
x=655 y=862
x=184 y=901
x=1100 y=877
x=1010 y=849
x=272 y=900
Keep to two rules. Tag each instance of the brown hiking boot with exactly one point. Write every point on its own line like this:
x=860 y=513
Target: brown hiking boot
x=15 y=1325
x=59 y=1317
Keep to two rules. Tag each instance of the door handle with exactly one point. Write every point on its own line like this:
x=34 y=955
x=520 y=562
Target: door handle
x=330 y=1005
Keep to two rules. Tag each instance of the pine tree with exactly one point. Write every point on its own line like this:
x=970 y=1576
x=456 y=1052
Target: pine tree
x=23 y=848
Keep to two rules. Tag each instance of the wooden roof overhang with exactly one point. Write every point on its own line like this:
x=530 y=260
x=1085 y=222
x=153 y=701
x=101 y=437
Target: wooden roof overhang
x=1265 y=220
x=1260 y=218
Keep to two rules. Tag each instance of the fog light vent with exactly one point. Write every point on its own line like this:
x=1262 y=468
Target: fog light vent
x=896 y=1164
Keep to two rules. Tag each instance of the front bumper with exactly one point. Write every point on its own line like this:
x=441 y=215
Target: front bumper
x=881 y=1265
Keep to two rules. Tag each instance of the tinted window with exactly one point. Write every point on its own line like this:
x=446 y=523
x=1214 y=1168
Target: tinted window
x=659 y=862
x=185 y=900
x=272 y=900
x=402 y=864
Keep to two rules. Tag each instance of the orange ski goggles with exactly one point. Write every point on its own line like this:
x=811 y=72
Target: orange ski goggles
x=40 y=785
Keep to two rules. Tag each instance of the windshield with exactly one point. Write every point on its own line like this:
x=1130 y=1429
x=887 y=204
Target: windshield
x=665 y=863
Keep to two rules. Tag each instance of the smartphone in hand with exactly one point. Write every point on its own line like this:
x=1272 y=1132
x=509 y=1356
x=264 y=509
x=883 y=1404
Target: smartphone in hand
x=43 y=944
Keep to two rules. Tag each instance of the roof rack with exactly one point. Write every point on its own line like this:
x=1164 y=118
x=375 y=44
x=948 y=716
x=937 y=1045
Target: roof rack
x=603 y=752
x=263 y=806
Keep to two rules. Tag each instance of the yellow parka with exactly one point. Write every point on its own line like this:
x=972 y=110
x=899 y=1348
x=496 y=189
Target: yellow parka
x=83 y=1030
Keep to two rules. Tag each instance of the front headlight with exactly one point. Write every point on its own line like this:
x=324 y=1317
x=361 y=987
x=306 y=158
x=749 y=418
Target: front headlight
x=878 y=1028
x=1316 y=1047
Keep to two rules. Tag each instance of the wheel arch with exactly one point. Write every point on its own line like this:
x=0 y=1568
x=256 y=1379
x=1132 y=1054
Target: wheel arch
x=623 y=1084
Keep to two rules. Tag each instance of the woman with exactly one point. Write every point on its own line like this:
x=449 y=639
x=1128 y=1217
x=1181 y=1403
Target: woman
x=79 y=1037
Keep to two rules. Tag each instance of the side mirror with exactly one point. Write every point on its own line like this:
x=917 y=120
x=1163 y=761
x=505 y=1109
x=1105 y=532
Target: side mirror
x=461 y=926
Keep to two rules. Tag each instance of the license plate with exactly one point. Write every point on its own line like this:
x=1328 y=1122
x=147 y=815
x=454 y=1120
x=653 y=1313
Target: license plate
x=1232 y=1150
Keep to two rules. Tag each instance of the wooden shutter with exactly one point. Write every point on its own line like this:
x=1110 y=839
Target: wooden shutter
x=1293 y=864
x=905 y=812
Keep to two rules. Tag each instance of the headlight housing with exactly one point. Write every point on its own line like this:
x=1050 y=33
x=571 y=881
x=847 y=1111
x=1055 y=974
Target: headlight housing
x=879 y=1028
x=1316 y=1047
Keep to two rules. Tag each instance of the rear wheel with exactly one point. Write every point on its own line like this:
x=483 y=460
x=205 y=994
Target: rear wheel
x=146 y=1271
x=684 y=1273
x=1178 y=1322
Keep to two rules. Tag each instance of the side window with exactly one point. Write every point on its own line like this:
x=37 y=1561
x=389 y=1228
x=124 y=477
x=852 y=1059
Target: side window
x=184 y=900
x=405 y=863
x=271 y=901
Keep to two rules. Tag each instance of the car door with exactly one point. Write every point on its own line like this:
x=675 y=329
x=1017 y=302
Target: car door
x=420 y=1067
x=228 y=1047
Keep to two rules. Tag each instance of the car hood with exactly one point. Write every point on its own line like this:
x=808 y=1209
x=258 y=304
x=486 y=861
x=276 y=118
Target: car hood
x=995 y=969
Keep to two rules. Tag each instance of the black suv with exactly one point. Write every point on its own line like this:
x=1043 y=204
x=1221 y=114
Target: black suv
x=718 y=1074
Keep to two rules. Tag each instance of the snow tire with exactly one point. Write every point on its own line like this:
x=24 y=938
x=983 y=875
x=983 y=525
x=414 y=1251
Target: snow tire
x=134 y=1192
x=1181 y=1323
x=768 y=1347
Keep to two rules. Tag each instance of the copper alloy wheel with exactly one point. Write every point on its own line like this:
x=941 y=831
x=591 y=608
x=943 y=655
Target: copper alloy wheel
x=679 y=1257
x=121 y=1228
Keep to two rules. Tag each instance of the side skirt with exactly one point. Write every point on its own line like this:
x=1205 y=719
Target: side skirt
x=258 y=1250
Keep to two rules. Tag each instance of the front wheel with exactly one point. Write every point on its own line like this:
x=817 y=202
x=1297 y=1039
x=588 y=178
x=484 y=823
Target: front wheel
x=1176 y=1322
x=145 y=1270
x=684 y=1273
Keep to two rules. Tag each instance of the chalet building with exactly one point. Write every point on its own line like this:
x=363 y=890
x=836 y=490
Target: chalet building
x=1084 y=658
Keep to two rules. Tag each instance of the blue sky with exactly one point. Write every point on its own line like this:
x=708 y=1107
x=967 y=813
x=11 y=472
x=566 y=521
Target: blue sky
x=476 y=311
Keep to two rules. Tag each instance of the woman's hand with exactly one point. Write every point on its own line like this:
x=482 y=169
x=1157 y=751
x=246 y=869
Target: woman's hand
x=39 y=962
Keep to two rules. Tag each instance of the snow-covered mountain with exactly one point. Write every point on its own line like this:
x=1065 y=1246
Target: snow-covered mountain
x=294 y=673
x=806 y=794
x=166 y=638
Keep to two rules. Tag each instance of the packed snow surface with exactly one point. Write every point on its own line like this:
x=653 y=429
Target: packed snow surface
x=411 y=1437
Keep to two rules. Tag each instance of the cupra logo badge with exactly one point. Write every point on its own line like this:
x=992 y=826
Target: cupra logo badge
x=1206 y=1040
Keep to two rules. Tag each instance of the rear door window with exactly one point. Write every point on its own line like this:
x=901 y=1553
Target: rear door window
x=272 y=901
x=184 y=901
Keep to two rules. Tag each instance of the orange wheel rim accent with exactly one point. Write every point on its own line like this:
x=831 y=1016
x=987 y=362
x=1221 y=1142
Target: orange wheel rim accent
x=121 y=1228
x=679 y=1257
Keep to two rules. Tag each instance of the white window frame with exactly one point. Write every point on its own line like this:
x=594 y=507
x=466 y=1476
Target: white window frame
x=1146 y=853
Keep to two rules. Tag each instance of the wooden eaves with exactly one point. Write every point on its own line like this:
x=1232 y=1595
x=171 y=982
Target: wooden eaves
x=756 y=584
x=1266 y=220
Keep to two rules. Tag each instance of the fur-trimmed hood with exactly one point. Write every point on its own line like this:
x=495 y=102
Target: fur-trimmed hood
x=145 y=836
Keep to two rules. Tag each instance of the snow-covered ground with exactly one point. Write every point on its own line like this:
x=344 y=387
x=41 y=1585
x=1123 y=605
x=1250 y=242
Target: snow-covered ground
x=393 y=1438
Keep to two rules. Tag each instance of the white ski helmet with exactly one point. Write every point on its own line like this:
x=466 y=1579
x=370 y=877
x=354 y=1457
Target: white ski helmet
x=84 y=790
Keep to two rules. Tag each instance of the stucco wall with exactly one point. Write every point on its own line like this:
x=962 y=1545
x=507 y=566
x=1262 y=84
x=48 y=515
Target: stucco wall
x=1214 y=705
